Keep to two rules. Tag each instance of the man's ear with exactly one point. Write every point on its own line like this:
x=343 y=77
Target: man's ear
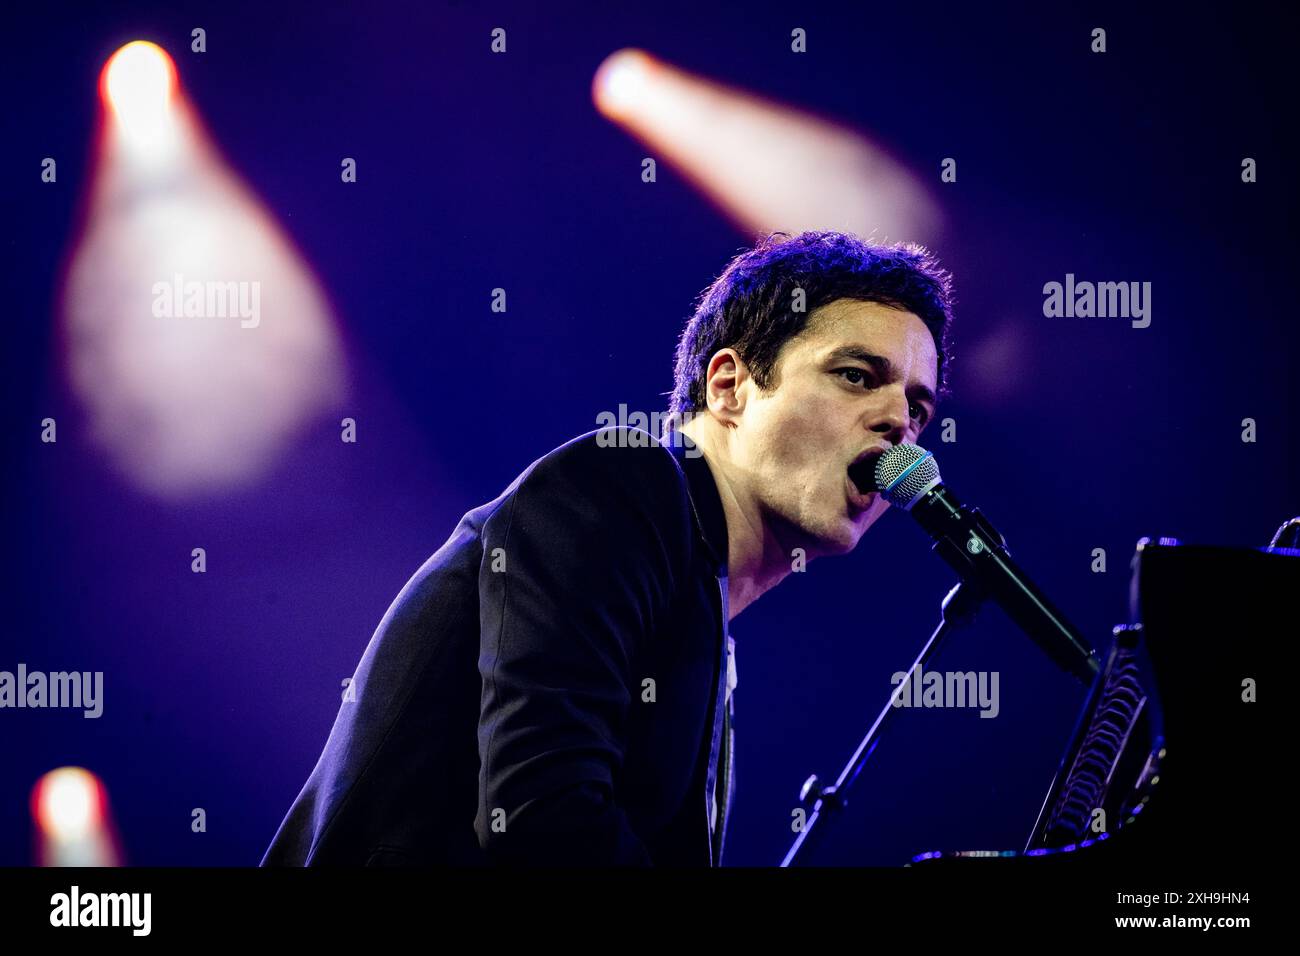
x=725 y=386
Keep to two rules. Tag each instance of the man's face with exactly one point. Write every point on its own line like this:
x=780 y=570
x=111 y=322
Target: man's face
x=860 y=378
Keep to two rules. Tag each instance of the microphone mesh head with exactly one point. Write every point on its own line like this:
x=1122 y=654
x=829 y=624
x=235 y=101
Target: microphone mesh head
x=905 y=473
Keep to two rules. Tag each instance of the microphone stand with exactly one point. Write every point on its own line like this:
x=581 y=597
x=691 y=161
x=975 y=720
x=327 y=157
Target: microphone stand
x=958 y=610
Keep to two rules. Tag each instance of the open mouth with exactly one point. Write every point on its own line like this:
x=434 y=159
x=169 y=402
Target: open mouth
x=863 y=476
x=862 y=490
x=863 y=473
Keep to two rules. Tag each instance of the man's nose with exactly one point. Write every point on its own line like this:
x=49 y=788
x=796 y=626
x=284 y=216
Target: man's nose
x=891 y=419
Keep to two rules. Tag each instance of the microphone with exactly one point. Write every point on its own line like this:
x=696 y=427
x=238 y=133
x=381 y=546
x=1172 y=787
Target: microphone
x=907 y=476
x=1288 y=535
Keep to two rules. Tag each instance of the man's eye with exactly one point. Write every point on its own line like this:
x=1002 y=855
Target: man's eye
x=856 y=376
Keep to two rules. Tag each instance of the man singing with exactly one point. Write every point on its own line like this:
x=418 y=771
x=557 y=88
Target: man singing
x=553 y=686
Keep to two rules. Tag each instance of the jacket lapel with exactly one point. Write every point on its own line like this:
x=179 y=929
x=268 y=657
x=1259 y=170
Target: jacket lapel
x=706 y=506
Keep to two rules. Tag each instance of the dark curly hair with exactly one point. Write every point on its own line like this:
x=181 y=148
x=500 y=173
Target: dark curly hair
x=749 y=306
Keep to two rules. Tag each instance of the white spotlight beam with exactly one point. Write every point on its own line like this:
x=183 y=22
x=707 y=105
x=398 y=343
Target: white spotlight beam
x=766 y=165
x=197 y=339
x=70 y=810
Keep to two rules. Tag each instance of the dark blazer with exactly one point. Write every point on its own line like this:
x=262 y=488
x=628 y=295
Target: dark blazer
x=549 y=687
